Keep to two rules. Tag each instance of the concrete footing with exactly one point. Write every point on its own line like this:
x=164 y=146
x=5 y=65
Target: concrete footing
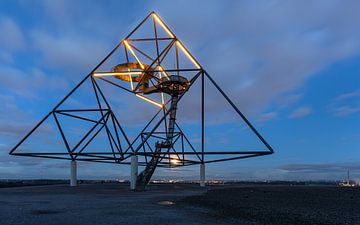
x=73 y=173
x=202 y=175
x=133 y=172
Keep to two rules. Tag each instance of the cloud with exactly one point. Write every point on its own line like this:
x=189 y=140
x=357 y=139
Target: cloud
x=286 y=100
x=300 y=112
x=346 y=104
x=261 y=48
x=347 y=110
x=11 y=35
x=265 y=56
x=320 y=168
x=267 y=116
x=72 y=53
x=26 y=84
x=68 y=42
x=271 y=47
x=258 y=53
x=347 y=95
x=59 y=11
x=14 y=122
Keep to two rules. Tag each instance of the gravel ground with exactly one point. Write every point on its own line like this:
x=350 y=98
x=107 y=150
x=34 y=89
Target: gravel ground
x=179 y=204
x=94 y=204
x=303 y=205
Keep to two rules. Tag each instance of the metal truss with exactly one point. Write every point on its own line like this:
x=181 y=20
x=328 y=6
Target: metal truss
x=152 y=67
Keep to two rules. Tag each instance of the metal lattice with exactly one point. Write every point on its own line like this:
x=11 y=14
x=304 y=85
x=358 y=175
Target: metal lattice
x=152 y=66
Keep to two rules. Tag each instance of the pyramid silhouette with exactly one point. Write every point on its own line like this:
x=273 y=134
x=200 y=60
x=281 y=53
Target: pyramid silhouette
x=83 y=126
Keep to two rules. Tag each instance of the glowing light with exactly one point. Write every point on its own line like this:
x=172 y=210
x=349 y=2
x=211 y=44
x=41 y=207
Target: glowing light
x=133 y=53
x=100 y=74
x=174 y=161
x=162 y=98
x=162 y=93
x=188 y=54
x=163 y=25
x=163 y=71
x=131 y=81
x=149 y=100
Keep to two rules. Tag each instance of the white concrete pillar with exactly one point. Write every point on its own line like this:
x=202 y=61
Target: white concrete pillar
x=202 y=175
x=133 y=172
x=73 y=173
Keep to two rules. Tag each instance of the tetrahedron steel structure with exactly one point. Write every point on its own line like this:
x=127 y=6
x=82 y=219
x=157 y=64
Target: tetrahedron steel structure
x=155 y=66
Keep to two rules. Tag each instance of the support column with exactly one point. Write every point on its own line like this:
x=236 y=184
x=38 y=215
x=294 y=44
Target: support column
x=73 y=173
x=202 y=175
x=133 y=172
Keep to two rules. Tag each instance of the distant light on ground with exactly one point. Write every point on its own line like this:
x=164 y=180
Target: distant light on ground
x=167 y=203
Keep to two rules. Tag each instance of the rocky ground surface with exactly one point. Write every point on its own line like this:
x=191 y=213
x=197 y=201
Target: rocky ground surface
x=281 y=205
x=179 y=204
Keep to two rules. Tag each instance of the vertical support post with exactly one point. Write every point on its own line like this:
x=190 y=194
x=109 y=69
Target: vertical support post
x=73 y=173
x=202 y=175
x=202 y=118
x=133 y=172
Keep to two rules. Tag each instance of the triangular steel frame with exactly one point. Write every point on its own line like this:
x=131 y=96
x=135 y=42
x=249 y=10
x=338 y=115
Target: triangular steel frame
x=121 y=155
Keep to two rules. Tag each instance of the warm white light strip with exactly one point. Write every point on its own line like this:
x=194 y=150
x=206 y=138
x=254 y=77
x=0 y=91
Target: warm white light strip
x=149 y=100
x=163 y=25
x=100 y=74
x=187 y=54
x=133 y=53
x=162 y=93
x=163 y=71
x=131 y=82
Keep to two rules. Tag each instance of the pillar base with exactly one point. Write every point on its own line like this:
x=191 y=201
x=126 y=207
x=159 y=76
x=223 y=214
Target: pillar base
x=133 y=172
x=202 y=175
x=73 y=173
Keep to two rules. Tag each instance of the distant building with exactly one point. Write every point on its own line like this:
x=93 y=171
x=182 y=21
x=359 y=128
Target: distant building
x=349 y=183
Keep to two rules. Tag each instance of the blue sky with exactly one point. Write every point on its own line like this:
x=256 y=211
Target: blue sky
x=293 y=69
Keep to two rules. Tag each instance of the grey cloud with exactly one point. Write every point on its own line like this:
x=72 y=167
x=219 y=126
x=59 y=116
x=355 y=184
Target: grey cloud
x=257 y=52
x=347 y=110
x=266 y=49
x=286 y=100
x=27 y=84
x=345 y=104
x=75 y=54
x=17 y=130
x=60 y=11
x=272 y=47
x=69 y=42
x=14 y=121
x=347 y=95
x=301 y=112
x=11 y=129
x=267 y=116
x=320 y=168
x=11 y=35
